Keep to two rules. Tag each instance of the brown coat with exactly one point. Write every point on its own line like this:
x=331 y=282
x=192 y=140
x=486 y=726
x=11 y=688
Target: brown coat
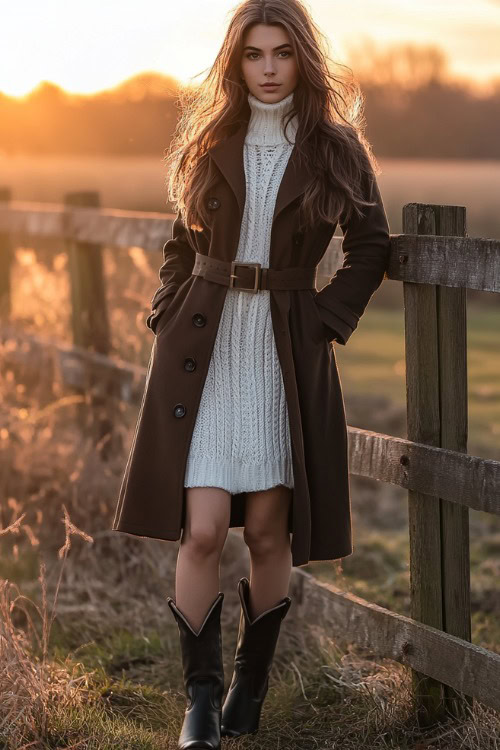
x=307 y=326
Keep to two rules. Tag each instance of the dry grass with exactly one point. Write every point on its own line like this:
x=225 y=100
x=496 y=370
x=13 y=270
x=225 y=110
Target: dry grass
x=89 y=653
x=32 y=686
x=110 y=673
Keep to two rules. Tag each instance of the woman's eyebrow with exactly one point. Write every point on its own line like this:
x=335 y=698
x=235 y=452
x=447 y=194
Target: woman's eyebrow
x=274 y=48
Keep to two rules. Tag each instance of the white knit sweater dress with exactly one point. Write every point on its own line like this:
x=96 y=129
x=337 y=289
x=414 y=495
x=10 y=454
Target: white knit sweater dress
x=241 y=437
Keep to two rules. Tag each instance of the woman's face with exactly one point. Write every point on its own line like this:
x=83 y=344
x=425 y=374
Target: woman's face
x=268 y=57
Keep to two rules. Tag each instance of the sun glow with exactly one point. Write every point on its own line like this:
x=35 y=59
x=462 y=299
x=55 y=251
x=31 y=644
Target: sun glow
x=95 y=46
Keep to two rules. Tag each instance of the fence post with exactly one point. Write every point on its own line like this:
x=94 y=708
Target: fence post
x=6 y=254
x=90 y=323
x=436 y=385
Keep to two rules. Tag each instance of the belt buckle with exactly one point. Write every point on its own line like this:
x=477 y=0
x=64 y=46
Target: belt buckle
x=233 y=276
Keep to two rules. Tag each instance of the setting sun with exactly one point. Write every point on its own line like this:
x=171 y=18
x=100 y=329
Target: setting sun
x=87 y=49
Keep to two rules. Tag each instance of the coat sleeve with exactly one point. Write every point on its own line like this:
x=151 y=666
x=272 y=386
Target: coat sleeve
x=366 y=247
x=178 y=262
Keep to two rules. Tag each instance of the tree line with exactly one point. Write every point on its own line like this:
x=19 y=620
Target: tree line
x=413 y=108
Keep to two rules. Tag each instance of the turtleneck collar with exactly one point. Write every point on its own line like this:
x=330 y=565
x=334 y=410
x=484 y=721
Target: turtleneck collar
x=265 y=127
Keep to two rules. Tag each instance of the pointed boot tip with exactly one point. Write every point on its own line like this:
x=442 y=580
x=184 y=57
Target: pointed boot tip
x=242 y=585
x=218 y=602
x=244 y=591
x=244 y=597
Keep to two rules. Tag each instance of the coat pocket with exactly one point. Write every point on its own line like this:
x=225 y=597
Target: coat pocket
x=157 y=317
x=320 y=332
x=173 y=308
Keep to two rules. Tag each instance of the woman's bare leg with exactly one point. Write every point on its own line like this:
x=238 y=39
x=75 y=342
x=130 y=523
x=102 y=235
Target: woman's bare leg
x=268 y=540
x=197 y=575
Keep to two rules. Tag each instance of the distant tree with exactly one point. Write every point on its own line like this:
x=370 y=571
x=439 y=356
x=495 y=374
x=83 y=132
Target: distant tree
x=146 y=85
x=47 y=94
x=413 y=109
x=405 y=65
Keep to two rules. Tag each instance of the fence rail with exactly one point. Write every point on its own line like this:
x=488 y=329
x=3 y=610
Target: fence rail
x=436 y=262
x=427 y=259
x=461 y=478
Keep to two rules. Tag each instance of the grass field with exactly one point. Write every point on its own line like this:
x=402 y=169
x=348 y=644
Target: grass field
x=88 y=651
x=107 y=673
x=373 y=362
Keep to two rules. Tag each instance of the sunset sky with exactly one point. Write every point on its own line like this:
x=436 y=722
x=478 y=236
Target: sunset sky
x=86 y=47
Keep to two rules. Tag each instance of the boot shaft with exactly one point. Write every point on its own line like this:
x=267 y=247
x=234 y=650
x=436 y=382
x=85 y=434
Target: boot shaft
x=201 y=652
x=257 y=639
x=252 y=664
x=203 y=677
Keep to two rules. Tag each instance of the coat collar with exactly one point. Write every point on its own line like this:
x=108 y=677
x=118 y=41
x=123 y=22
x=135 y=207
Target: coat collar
x=228 y=156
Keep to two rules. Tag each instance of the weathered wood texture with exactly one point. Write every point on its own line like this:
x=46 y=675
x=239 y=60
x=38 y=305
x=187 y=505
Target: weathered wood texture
x=436 y=389
x=448 y=261
x=463 y=479
x=448 y=659
x=90 y=324
x=88 y=293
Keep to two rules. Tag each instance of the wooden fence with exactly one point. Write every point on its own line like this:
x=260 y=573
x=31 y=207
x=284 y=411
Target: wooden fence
x=436 y=262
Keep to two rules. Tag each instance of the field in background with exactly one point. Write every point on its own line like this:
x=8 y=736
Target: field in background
x=138 y=184
x=112 y=638
x=373 y=362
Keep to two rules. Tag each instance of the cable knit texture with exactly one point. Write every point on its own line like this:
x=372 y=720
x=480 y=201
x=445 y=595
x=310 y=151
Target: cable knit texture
x=241 y=437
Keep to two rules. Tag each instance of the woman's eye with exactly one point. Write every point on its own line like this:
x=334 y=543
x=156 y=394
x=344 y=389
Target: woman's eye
x=283 y=52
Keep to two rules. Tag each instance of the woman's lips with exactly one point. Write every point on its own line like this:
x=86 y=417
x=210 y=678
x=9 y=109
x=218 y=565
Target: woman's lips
x=270 y=85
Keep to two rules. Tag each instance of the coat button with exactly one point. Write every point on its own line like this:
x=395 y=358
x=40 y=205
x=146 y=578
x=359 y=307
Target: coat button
x=213 y=203
x=190 y=364
x=199 y=320
x=298 y=239
x=179 y=410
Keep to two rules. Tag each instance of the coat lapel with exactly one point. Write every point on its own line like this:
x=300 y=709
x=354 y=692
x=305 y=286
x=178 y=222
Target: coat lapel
x=228 y=156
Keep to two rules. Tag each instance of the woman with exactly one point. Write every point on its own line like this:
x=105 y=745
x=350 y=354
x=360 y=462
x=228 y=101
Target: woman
x=242 y=421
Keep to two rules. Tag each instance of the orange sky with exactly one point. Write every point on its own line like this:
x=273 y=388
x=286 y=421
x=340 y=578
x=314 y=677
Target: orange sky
x=95 y=45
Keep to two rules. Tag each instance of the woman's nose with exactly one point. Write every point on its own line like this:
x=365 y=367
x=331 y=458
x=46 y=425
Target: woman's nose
x=269 y=66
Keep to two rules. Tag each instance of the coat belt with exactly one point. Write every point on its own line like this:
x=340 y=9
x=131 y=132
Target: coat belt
x=253 y=277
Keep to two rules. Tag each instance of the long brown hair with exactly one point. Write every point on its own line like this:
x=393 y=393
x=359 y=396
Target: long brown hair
x=330 y=120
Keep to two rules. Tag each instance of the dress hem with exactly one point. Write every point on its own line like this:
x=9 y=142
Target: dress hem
x=235 y=476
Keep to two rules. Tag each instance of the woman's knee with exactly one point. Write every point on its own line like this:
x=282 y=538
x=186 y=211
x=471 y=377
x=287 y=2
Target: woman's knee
x=203 y=540
x=261 y=542
x=266 y=521
x=207 y=520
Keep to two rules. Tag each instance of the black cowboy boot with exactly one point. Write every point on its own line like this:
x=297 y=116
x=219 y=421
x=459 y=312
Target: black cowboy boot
x=203 y=678
x=252 y=664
